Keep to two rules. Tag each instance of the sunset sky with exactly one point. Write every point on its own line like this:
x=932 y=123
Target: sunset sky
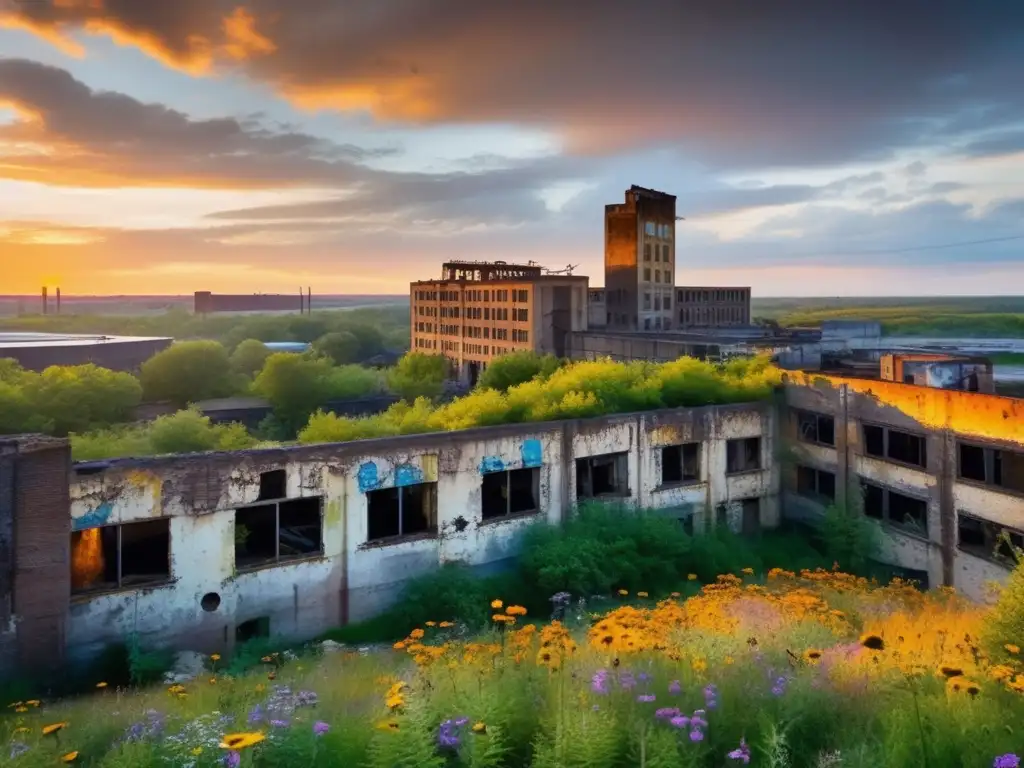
x=817 y=148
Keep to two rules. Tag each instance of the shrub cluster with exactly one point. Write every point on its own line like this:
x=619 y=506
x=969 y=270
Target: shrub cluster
x=576 y=390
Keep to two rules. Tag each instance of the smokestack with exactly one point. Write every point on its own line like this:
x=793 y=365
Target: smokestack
x=58 y=301
x=45 y=302
x=309 y=300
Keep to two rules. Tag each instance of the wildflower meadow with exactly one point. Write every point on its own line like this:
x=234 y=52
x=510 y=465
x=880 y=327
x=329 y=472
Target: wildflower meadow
x=817 y=668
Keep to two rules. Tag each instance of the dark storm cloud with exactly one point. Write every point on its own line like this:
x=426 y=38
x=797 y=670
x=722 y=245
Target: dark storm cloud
x=739 y=83
x=1006 y=143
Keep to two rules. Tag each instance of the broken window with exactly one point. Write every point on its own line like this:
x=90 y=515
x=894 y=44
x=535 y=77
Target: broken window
x=743 y=455
x=120 y=556
x=252 y=629
x=815 y=483
x=992 y=466
x=680 y=464
x=895 y=445
x=721 y=516
x=510 y=492
x=605 y=475
x=405 y=510
x=984 y=538
x=751 y=511
x=816 y=428
x=907 y=512
x=281 y=531
x=273 y=485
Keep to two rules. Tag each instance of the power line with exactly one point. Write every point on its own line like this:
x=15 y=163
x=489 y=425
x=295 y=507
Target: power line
x=927 y=247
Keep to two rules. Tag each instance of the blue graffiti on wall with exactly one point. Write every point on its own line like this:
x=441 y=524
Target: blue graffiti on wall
x=492 y=464
x=532 y=453
x=368 y=477
x=407 y=474
x=94 y=517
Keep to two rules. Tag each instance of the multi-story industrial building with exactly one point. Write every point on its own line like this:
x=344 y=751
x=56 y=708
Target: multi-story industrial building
x=640 y=271
x=480 y=310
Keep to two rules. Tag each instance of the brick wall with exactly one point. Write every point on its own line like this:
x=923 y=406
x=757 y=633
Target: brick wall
x=34 y=473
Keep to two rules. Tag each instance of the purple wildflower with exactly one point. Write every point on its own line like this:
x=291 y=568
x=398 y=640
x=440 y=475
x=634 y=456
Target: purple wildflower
x=666 y=713
x=18 y=749
x=698 y=721
x=646 y=698
x=741 y=753
x=449 y=733
x=680 y=722
x=279 y=723
x=675 y=688
x=320 y=728
x=643 y=677
x=627 y=681
x=696 y=735
x=1009 y=760
x=461 y=721
x=256 y=714
x=779 y=687
x=711 y=696
x=232 y=759
x=599 y=682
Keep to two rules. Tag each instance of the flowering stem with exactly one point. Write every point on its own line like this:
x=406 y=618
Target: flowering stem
x=920 y=726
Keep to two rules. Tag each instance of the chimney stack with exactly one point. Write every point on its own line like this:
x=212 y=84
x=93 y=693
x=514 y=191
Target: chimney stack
x=45 y=302
x=58 y=300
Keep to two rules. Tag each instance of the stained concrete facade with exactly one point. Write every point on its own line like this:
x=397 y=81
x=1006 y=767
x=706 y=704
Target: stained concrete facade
x=920 y=461
x=208 y=598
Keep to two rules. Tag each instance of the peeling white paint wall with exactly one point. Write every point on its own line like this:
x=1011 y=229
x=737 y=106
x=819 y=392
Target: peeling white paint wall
x=356 y=577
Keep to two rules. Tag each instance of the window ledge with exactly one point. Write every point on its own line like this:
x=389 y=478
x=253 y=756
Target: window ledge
x=824 y=501
x=84 y=597
x=279 y=563
x=395 y=540
x=602 y=496
x=740 y=472
x=818 y=443
x=991 y=487
x=987 y=557
x=896 y=462
x=677 y=485
x=917 y=535
x=509 y=518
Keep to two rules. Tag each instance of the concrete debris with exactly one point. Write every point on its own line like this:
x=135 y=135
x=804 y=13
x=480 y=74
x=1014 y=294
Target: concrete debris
x=188 y=665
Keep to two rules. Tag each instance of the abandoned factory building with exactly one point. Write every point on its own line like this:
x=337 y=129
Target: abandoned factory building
x=203 y=551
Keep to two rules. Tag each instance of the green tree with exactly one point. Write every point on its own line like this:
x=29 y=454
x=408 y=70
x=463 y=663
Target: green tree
x=516 y=368
x=189 y=431
x=371 y=340
x=249 y=357
x=17 y=414
x=418 y=375
x=341 y=346
x=1004 y=624
x=295 y=385
x=187 y=372
x=347 y=382
x=75 y=398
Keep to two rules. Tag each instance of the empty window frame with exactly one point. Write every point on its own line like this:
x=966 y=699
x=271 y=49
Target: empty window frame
x=743 y=454
x=604 y=475
x=405 y=510
x=894 y=508
x=120 y=556
x=895 y=445
x=991 y=466
x=273 y=485
x=817 y=484
x=987 y=539
x=750 y=520
x=510 y=492
x=680 y=464
x=816 y=428
x=284 y=530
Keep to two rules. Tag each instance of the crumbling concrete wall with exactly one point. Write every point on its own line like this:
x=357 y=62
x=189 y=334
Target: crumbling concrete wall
x=945 y=418
x=354 y=578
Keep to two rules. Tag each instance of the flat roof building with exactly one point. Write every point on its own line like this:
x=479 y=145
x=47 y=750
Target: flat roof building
x=38 y=351
x=480 y=310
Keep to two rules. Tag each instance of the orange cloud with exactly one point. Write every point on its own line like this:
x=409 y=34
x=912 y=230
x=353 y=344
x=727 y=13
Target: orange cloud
x=243 y=39
x=46 y=32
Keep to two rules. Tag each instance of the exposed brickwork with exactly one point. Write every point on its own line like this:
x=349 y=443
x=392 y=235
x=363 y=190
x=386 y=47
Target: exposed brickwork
x=41 y=570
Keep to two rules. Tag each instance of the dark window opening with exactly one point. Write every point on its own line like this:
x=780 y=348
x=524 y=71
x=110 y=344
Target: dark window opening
x=987 y=539
x=972 y=462
x=992 y=466
x=895 y=508
x=907 y=448
x=751 y=516
x=402 y=511
x=687 y=523
x=281 y=531
x=252 y=629
x=721 y=516
x=120 y=556
x=511 y=492
x=743 y=455
x=273 y=485
x=815 y=483
x=816 y=428
x=605 y=475
x=874 y=441
x=680 y=463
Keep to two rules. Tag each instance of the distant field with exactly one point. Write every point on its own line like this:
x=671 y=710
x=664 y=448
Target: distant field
x=959 y=316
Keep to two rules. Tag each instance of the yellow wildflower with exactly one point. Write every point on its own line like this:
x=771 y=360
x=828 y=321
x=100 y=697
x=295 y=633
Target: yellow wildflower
x=479 y=728
x=238 y=741
x=747 y=571
x=515 y=610
x=70 y=757
x=623 y=592
x=197 y=751
x=641 y=594
x=50 y=729
x=1011 y=648
x=691 y=577
x=431 y=623
x=214 y=657
x=497 y=604
x=101 y=684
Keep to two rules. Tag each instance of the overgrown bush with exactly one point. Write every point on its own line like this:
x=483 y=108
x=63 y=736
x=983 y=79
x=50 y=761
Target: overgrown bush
x=1004 y=625
x=187 y=372
x=575 y=390
x=418 y=375
x=517 y=368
